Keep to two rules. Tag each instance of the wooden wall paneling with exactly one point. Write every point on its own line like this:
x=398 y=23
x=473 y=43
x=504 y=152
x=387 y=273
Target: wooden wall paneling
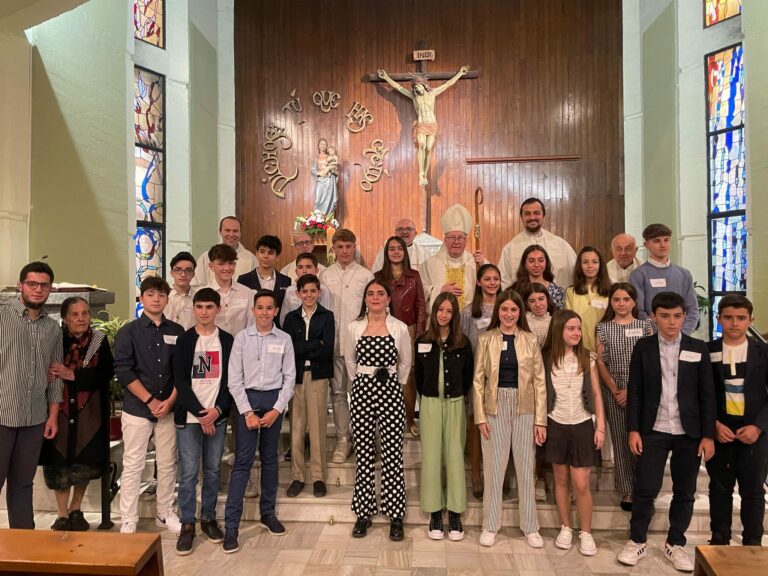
x=550 y=83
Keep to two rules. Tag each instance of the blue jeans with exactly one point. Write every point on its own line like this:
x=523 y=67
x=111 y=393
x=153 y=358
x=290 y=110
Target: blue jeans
x=246 y=443
x=192 y=445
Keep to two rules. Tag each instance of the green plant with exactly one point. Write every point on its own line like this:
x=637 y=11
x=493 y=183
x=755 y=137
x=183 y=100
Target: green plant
x=702 y=298
x=110 y=327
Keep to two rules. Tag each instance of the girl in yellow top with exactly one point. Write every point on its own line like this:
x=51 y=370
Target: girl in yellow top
x=509 y=395
x=588 y=296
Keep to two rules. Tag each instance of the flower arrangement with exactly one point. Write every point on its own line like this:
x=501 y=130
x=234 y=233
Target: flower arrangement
x=316 y=224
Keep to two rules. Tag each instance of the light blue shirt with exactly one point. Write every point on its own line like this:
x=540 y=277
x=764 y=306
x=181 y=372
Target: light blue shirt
x=668 y=414
x=262 y=362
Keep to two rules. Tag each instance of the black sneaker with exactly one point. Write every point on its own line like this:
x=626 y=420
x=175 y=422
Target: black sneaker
x=396 y=531
x=230 y=541
x=361 y=527
x=77 y=521
x=455 y=528
x=212 y=529
x=274 y=526
x=62 y=523
x=186 y=538
x=435 y=531
x=295 y=488
x=318 y=489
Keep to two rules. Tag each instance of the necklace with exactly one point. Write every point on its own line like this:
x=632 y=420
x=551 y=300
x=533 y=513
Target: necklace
x=574 y=372
x=672 y=368
x=340 y=271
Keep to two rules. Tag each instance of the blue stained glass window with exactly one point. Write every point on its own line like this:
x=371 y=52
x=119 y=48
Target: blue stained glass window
x=727 y=171
x=725 y=88
x=717 y=330
x=150 y=185
x=729 y=254
x=149 y=254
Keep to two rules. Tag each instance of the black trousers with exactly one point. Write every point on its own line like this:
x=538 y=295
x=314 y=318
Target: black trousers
x=649 y=475
x=19 y=454
x=746 y=464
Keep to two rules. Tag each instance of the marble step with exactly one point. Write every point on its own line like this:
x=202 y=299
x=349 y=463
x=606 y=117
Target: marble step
x=335 y=507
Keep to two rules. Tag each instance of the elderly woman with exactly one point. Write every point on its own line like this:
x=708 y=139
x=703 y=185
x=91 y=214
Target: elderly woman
x=77 y=454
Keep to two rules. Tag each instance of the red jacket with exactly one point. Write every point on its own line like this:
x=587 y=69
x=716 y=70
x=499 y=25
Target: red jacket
x=408 y=304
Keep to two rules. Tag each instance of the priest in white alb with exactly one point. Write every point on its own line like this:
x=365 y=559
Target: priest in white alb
x=561 y=254
x=453 y=268
x=625 y=260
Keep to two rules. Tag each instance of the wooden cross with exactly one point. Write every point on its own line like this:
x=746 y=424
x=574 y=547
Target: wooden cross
x=421 y=69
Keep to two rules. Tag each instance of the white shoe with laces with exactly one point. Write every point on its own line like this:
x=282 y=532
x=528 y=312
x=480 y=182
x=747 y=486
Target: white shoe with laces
x=678 y=557
x=171 y=522
x=535 y=540
x=587 y=545
x=564 y=538
x=631 y=553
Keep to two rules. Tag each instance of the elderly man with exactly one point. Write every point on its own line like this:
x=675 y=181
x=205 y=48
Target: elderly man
x=229 y=230
x=452 y=269
x=625 y=260
x=302 y=243
x=406 y=230
x=561 y=254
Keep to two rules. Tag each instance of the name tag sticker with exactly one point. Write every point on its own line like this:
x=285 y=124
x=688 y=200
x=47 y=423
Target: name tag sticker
x=633 y=332
x=483 y=323
x=169 y=339
x=425 y=347
x=504 y=345
x=715 y=356
x=599 y=304
x=276 y=348
x=659 y=282
x=688 y=356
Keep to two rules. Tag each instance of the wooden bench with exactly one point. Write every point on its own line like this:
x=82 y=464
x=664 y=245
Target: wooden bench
x=731 y=560
x=41 y=552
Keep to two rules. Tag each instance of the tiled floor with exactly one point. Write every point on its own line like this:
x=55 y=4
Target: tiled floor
x=321 y=549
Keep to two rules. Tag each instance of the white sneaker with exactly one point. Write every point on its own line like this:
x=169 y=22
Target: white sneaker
x=171 y=522
x=487 y=538
x=342 y=452
x=565 y=538
x=587 y=545
x=541 y=490
x=128 y=528
x=251 y=491
x=631 y=553
x=535 y=540
x=678 y=557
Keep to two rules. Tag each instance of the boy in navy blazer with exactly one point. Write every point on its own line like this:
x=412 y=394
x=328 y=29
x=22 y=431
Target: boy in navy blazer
x=670 y=408
x=265 y=276
x=740 y=370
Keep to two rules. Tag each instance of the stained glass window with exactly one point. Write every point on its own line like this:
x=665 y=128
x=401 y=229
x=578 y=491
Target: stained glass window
x=725 y=88
x=717 y=330
x=716 y=11
x=148 y=107
x=729 y=254
x=150 y=185
x=149 y=21
x=149 y=253
x=727 y=171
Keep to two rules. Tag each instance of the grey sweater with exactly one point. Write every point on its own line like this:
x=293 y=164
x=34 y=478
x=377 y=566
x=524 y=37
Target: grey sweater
x=649 y=279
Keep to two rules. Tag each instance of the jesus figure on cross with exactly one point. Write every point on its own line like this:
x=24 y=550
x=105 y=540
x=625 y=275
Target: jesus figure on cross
x=425 y=125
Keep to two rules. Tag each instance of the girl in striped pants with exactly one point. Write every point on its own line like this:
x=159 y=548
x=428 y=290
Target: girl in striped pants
x=509 y=395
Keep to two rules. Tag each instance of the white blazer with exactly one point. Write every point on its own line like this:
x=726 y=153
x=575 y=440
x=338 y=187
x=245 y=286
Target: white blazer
x=397 y=329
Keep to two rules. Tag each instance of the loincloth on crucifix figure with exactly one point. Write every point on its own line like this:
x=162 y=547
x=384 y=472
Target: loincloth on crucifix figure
x=423 y=128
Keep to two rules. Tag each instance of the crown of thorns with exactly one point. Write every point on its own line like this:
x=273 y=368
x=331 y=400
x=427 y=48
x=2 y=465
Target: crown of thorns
x=418 y=78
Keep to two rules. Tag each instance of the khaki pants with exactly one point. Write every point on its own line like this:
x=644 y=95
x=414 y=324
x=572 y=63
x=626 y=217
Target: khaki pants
x=309 y=411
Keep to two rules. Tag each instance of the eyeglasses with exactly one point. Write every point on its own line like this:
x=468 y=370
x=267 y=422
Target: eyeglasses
x=409 y=229
x=455 y=239
x=303 y=243
x=32 y=285
x=187 y=271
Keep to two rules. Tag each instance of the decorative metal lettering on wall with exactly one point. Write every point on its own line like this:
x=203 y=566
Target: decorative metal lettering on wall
x=374 y=154
x=276 y=137
x=326 y=100
x=294 y=104
x=358 y=118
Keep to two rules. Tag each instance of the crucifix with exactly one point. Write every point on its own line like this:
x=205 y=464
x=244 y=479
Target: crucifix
x=423 y=97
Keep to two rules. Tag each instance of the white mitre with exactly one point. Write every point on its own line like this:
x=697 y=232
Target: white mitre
x=456 y=218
